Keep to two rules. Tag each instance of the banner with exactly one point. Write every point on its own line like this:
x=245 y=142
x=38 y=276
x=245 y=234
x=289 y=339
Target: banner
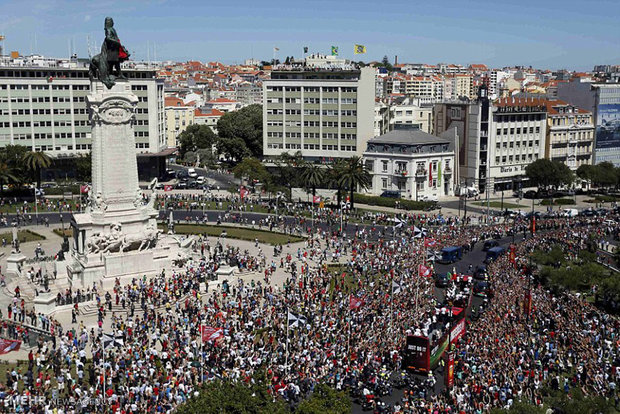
x=359 y=49
x=8 y=345
x=316 y=199
x=417 y=355
x=84 y=189
x=527 y=303
x=513 y=254
x=425 y=271
x=355 y=302
x=167 y=188
x=428 y=242
x=334 y=50
x=209 y=333
x=533 y=225
x=449 y=370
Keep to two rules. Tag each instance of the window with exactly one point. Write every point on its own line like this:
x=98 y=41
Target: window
x=384 y=166
x=384 y=183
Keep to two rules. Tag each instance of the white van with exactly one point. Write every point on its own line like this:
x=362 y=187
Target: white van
x=570 y=212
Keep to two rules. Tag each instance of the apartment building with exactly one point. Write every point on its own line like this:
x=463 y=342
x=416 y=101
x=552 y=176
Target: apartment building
x=517 y=137
x=457 y=86
x=322 y=112
x=417 y=165
x=44 y=108
x=570 y=134
x=178 y=117
x=411 y=111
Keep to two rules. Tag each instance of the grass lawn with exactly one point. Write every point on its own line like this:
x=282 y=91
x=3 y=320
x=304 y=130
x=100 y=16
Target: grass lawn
x=24 y=236
x=240 y=233
x=498 y=204
x=68 y=232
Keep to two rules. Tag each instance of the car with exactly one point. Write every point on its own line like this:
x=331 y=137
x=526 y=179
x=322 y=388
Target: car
x=489 y=244
x=192 y=173
x=391 y=194
x=181 y=185
x=483 y=288
x=159 y=186
x=429 y=198
x=200 y=179
x=536 y=214
x=182 y=174
x=518 y=194
x=481 y=273
x=530 y=194
x=442 y=280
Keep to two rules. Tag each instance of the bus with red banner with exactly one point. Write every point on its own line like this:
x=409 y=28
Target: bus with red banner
x=421 y=355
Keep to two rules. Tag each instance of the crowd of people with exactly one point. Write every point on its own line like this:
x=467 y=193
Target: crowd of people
x=340 y=316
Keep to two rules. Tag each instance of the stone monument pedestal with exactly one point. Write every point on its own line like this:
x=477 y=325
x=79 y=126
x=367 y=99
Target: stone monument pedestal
x=15 y=264
x=117 y=236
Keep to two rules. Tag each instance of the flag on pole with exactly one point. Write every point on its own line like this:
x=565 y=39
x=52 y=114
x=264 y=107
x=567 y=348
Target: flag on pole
x=316 y=199
x=334 y=50
x=111 y=341
x=359 y=49
x=84 y=188
x=355 y=302
x=210 y=333
x=418 y=233
x=305 y=49
x=428 y=242
x=9 y=345
x=425 y=271
x=275 y=49
x=430 y=174
x=439 y=173
x=396 y=288
x=295 y=320
x=167 y=188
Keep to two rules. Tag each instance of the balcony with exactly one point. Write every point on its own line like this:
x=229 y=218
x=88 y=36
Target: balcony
x=401 y=173
x=420 y=172
x=447 y=171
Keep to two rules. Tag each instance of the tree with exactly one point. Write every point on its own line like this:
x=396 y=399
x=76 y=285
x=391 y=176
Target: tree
x=83 y=167
x=325 y=400
x=226 y=397
x=312 y=176
x=385 y=62
x=334 y=175
x=35 y=161
x=564 y=175
x=13 y=155
x=586 y=172
x=288 y=167
x=196 y=137
x=355 y=175
x=6 y=175
x=244 y=125
x=251 y=169
x=604 y=175
x=543 y=172
x=233 y=149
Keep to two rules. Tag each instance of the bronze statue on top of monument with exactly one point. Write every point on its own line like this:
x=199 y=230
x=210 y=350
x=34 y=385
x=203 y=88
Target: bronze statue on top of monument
x=106 y=66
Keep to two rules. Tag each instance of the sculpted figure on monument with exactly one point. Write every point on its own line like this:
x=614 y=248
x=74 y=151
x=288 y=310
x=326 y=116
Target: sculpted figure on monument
x=114 y=239
x=106 y=66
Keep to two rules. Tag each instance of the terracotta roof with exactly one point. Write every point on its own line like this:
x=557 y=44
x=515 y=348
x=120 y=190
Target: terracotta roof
x=172 y=101
x=221 y=100
x=552 y=104
x=214 y=112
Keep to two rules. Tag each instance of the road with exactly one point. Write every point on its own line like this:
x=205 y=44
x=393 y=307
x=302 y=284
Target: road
x=215 y=178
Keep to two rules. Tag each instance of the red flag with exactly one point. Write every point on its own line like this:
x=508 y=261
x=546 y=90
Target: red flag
x=316 y=199
x=209 y=333
x=424 y=271
x=428 y=242
x=355 y=302
x=430 y=174
x=533 y=224
x=84 y=188
x=167 y=188
x=513 y=255
x=8 y=345
x=243 y=192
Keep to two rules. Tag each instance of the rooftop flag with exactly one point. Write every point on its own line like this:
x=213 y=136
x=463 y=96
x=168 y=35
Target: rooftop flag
x=359 y=49
x=334 y=50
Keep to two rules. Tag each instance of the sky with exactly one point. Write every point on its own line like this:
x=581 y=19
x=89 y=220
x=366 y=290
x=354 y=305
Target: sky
x=570 y=34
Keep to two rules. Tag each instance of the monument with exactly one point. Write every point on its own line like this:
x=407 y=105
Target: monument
x=117 y=236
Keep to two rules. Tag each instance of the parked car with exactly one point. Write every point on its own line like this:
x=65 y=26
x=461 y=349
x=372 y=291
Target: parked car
x=489 y=244
x=191 y=172
x=391 y=194
x=530 y=194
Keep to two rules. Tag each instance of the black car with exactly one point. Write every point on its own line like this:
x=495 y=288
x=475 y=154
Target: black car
x=480 y=273
x=489 y=244
x=482 y=288
x=529 y=194
x=391 y=194
x=441 y=280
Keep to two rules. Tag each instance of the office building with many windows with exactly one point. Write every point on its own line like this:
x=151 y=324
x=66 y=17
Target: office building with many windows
x=323 y=113
x=45 y=108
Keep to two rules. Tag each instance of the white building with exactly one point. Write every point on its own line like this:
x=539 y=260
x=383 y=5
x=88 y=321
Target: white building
x=417 y=165
x=411 y=111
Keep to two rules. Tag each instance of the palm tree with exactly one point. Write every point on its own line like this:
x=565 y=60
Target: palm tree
x=35 y=161
x=6 y=175
x=355 y=175
x=312 y=176
x=334 y=175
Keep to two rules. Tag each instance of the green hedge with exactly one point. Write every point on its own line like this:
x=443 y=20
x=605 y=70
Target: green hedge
x=391 y=202
x=557 y=202
x=74 y=189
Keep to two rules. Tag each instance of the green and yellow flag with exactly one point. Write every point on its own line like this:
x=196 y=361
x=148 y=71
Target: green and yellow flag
x=334 y=50
x=359 y=49
x=439 y=174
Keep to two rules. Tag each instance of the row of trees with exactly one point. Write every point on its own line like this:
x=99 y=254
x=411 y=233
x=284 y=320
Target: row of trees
x=344 y=175
x=240 y=135
x=228 y=397
x=552 y=174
